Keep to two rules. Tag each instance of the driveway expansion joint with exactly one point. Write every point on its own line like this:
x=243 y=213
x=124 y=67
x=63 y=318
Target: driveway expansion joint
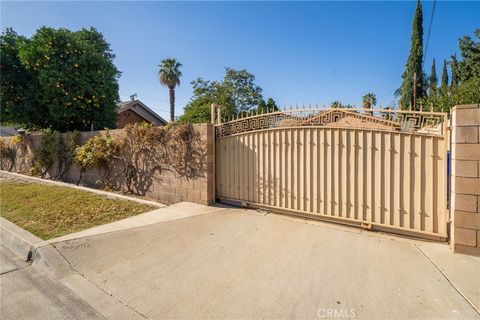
x=97 y=286
x=448 y=280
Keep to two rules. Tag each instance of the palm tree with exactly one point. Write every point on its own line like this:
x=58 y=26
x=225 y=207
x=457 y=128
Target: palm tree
x=369 y=100
x=169 y=75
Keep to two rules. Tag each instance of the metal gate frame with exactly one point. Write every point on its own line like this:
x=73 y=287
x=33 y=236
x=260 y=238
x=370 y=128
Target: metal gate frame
x=354 y=141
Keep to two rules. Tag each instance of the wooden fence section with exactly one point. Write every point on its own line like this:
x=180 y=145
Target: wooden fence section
x=371 y=177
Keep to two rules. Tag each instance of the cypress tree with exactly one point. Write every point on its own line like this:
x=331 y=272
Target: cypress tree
x=414 y=62
x=454 y=68
x=444 y=75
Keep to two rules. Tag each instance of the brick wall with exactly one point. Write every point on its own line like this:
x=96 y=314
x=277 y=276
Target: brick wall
x=167 y=187
x=465 y=201
x=128 y=117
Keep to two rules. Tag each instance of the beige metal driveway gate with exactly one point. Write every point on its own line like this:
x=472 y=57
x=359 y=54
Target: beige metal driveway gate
x=380 y=169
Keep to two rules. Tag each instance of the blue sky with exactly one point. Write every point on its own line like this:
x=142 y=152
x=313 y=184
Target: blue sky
x=300 y=52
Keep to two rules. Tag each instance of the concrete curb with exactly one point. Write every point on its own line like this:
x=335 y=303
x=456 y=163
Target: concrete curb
x=19 y=240
x=47 y=258
x=73 y=186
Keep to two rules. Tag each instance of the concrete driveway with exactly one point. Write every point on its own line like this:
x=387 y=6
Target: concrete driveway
x=234 y=263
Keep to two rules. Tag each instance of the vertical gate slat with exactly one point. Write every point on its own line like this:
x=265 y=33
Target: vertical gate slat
x=225 y=161
x=359 y=169
x=218 y=169
x=301 y=171
x=402 y=179
x=293 y=171
x=398 y=180
x=363 y=176
x=230 y=161
x=321 y=172
x=251 y=168
x=378 y=169
x=367 y=196
x=270 y=166
x=411 y=184
x=315 y=170
x=291 y=150
x=235 y=165
x=241 y=167
x=335 y=171
x=441 y=185
x=298 y=147
x=246 y=173
x=328 y=171
x=260 y=168
x=429 y=194
x=417 y=182
x=344 y=181
x=436 y=205
x=351 y=173
x=265 y=167
x=286 y=171
x=257 y=170
x=236 y=178
x=308 y=171
x=240 y=176
x=278 y=176
x=338 y=172
x=373 y=176
x=387 y=158
x=273 y=161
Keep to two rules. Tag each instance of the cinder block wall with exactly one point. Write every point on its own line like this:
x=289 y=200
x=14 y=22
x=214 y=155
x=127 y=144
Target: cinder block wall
x=465 y=179
x=167 y=187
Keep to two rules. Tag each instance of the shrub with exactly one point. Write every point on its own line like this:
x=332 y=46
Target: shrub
x=66 y=153
x=8 y=154
x=187 y=152
x=143 y=152
x=98 y=152
x=44 y=155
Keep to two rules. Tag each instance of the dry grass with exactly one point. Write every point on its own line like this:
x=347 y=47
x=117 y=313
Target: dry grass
x=52 y=211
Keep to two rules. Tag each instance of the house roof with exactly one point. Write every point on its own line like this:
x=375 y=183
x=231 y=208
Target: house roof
x=142 y=110
x=7 y=131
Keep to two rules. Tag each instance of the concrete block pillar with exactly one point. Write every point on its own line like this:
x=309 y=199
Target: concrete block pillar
x=465 y=179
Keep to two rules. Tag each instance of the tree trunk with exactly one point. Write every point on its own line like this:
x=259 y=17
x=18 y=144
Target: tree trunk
x=172 y=103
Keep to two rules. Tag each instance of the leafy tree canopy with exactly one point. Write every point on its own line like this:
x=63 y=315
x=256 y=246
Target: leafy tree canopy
x=465 y=86
x=469 y=67
x=71 y=81
x=15 y=80
x=236 y=93
x=269 y=106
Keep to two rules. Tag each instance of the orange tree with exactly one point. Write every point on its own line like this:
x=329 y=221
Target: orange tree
x=72 y=81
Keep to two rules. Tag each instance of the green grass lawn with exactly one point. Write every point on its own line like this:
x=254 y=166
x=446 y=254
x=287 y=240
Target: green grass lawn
x=51 y=211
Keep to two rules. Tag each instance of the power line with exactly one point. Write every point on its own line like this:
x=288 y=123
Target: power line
x=429 y=31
